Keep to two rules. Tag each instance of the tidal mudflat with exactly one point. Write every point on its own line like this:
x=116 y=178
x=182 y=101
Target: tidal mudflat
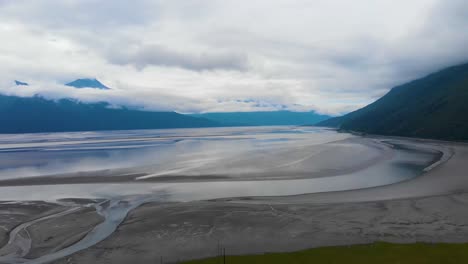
x=112 y=197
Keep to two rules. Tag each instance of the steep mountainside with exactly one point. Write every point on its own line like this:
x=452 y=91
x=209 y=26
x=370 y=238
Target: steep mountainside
x=435 y=106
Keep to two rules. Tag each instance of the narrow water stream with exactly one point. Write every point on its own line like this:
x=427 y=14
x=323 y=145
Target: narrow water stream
x=113 y=211
x=19 y=244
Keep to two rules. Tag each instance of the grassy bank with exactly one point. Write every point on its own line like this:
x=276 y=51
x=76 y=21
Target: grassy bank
x=382 y=253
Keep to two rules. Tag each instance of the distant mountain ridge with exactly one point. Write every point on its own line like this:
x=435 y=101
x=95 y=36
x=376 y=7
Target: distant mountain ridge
x=37 y=114
x=435 y=106
x=78 y=83
x=263 y=118
x=87 y=83
x=19 y=83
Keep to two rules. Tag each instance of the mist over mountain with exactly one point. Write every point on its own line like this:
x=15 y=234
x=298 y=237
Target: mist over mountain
x=264 y=118
x=435 y=106
x=36 y=113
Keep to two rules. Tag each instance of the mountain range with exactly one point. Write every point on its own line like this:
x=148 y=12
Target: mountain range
x=272 y=118
x=37 y=114
x=435 y=106
x=78 y=83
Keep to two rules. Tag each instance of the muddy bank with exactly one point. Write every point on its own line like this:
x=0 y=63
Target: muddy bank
x=14 y=213
x=184 y=231
x=429 y=208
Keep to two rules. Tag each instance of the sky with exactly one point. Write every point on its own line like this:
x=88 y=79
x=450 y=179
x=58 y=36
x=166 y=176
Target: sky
x=194 y=56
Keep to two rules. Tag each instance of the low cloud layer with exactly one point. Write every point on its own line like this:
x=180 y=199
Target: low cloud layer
x=211 y=56
x=157 y=55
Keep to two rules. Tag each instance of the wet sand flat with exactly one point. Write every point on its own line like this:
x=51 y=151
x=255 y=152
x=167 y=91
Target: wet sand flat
x=14 y=213
x=429 y=208
x=281 y=162
x=193 y=230
x=61 y=232
x=352 y=155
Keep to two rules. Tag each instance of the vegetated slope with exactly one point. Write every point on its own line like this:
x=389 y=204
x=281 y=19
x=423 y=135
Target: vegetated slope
x=435 y=106
x=36 y=114
x=382 y=253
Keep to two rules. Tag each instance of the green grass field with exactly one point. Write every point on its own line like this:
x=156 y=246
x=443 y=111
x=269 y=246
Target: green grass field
x=378 y=253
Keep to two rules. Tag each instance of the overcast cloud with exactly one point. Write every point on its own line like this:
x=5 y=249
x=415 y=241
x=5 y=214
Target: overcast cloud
x=332 y=56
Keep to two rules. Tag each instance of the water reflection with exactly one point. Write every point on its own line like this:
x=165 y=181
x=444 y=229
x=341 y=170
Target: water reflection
x=307 y=160
x=158 y=151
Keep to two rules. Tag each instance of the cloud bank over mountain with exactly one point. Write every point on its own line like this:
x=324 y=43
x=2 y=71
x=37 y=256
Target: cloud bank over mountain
x=214 y=56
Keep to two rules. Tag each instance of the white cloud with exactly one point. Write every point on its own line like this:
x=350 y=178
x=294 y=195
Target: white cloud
x=158 y=55
x=198 y=55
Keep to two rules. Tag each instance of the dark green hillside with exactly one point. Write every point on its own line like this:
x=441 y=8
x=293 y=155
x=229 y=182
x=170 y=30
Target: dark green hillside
x=435 y=106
